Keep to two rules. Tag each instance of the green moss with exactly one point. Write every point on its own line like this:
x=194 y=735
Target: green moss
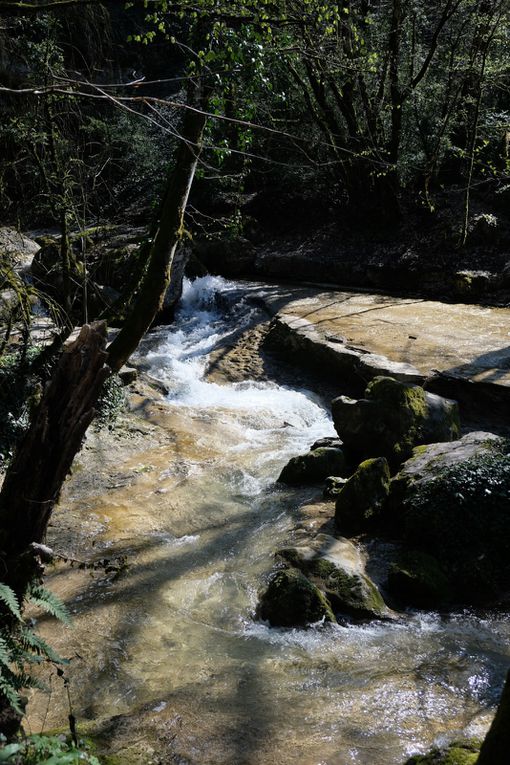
x=362 y=499
x=458 y=753
x=417 y=579
x=314 y=466
x=291 y=600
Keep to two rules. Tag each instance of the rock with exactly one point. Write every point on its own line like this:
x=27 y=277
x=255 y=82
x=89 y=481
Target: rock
x=303 y=343
x=174 y=290
x=128 y=375
x=292 y=600
x=361 y=500
x=393 y=418
x=337 y=568
x=463 y=752
x=314 y=466
x=18 y=248
x=472 y=284
x=333 y=487
x=327 y=441
x=453 y=502
x=418 y=580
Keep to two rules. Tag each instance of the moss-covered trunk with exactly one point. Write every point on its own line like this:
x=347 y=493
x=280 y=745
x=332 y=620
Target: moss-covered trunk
x=149 y=299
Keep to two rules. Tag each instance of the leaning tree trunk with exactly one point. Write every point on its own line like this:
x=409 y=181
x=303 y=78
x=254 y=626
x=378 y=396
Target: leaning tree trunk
x=149 y=299
x=496 y=747
x=34 y=479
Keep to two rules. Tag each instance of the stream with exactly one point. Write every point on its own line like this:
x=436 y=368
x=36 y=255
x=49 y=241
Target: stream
x=167 y=658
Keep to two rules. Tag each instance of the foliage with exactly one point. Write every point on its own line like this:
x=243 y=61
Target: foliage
x=110 y=403
x=20 y=646
x=45 y=750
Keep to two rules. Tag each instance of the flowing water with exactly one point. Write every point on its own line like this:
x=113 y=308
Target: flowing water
x=168 y=658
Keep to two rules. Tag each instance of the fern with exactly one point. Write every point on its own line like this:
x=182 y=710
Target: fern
x=45 y=599
x=31 y=641
x=21 y=647
x=8 y=597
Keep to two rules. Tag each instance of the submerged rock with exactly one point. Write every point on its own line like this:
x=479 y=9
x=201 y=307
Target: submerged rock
x=393 y=418
x=292 y=600
x=454 y=503
x=337 y=568
x=314 y=466
x=463 y=752
x=361 y=500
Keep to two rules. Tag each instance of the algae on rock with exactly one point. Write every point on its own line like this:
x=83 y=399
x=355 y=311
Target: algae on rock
x=292 y=600
x=463 y=752
x=359 y=503
x=393 y=418
x=314 y=466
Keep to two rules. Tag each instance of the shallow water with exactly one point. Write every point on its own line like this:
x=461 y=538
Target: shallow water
x=172 y=646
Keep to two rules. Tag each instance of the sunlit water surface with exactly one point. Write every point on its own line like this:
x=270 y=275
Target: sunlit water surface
x=173 y=646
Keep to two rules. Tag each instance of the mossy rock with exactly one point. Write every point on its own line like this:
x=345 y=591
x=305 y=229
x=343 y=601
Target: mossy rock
x=417 y=579
x=336 y=567
x=360 y=502
x=292 y=600
x=461 y=515
x=352 y=594
x=314 y=466
x=393 y=418
x=463 y=752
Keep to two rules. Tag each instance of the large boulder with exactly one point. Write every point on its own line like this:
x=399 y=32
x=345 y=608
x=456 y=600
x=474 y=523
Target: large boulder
x=453 y=502
x=337 y=568
x=314 y=466
x=292 y=600
x=417 y=579
x=392 y=418
x=360 y=502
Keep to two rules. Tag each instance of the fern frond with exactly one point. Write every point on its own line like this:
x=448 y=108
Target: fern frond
x=34 y=642
x=49 y=602
x=8 y=597
x=5 y=651
x=10 y=693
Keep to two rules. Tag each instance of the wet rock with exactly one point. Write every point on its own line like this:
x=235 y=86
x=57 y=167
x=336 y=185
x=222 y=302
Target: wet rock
x=453 y=503
x=464 y=752
x=18 y=248
x=333 y=487
x=337 y=568
x=360 y=502
x=314 y=466
x=393 y=418
x=418 y=580
x=128 y=375
x=292 y=600
x=335 y=443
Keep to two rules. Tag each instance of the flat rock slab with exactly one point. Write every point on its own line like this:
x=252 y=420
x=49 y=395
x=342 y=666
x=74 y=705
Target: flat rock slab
x=411 y=339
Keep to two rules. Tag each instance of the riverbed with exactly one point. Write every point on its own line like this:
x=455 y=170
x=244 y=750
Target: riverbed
x=168 y=661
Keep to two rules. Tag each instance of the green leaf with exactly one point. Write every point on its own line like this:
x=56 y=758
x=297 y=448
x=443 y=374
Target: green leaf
x=49 y=602
x=8 y=596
